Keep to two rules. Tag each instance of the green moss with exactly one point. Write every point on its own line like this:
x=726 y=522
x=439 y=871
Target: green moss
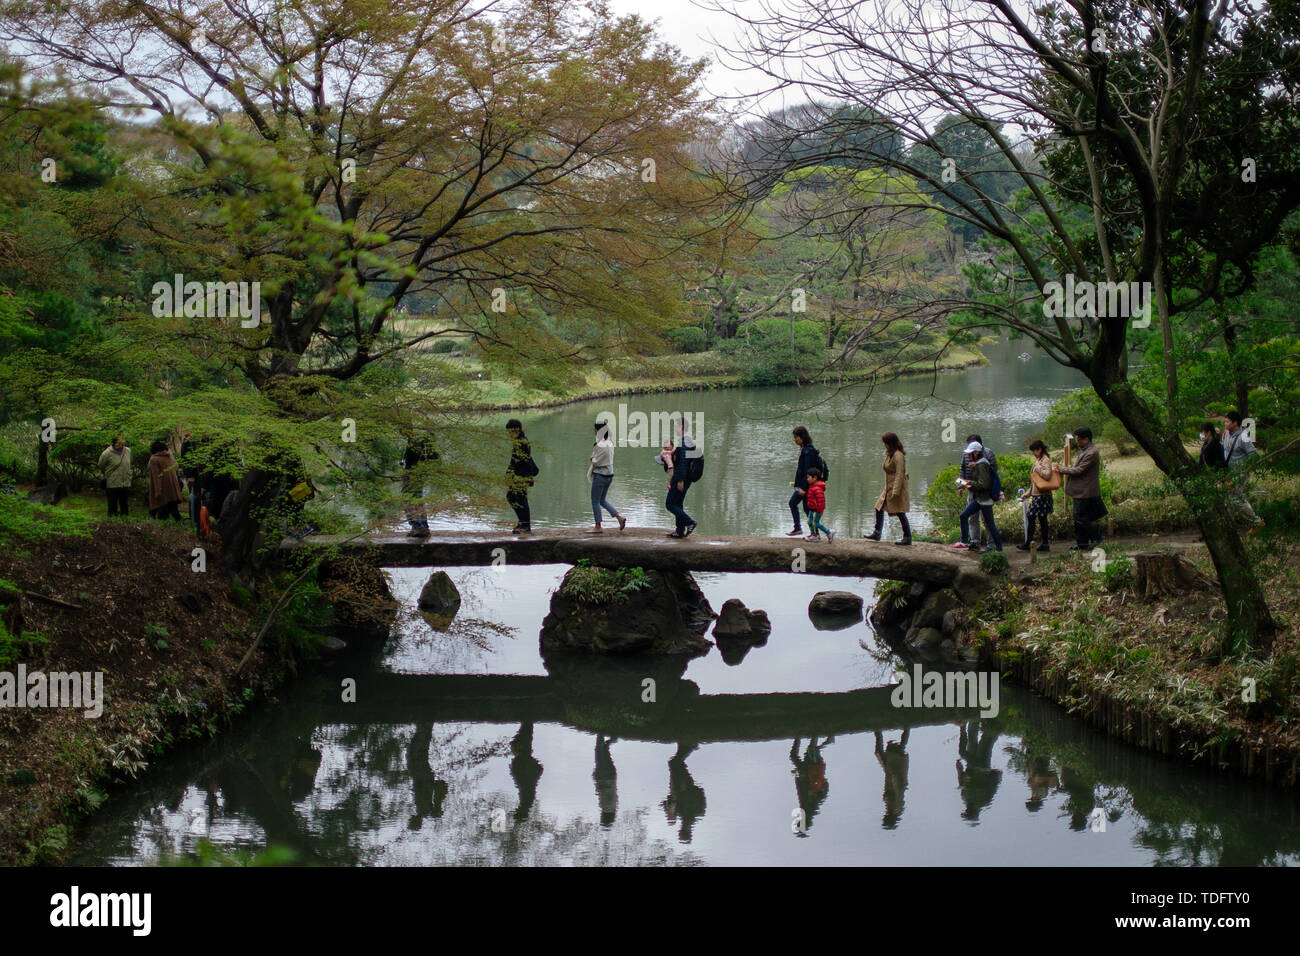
x=592 y=585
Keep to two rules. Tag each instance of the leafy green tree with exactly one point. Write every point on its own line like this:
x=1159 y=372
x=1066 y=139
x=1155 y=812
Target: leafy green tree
x=525 y=166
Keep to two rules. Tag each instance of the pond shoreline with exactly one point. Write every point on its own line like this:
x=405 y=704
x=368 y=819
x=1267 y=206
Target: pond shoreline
x=171 y=676
x=1148 y=671
x=704 y=385
x=1143 y=728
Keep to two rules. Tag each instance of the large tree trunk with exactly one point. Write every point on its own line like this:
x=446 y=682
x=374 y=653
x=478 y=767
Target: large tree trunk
x=1240 y=384
x=241 y=523
x=1249 y=619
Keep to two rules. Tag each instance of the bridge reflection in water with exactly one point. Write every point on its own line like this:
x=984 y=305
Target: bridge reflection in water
x=353 y=783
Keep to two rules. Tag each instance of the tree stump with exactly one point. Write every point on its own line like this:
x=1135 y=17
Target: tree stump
x=1161 y=573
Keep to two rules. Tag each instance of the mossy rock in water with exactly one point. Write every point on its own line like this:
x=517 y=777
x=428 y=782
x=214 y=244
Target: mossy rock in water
x=592 y=585
x=668 y=614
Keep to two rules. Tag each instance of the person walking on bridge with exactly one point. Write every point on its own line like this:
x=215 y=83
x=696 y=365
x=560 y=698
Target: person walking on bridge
x=419 y=450
x=816 y=501
x=982 y=494
x=601 y=475
x=808 y=458
x=679 y=481
x=520 y=474
x=894 y=500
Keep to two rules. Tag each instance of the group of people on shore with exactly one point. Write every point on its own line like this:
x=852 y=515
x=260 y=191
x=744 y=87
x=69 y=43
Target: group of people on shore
x=978 y=477
x=169 y=483
x=117 y=468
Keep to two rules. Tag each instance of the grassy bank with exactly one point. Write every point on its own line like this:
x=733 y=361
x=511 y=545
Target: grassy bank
x=699 y=371
x=1152 y=672
x=119 y=597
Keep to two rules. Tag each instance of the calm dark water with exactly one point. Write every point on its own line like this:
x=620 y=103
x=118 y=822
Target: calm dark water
x=463 y=748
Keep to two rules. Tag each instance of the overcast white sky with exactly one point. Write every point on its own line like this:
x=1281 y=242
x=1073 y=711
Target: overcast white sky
x=688 y=26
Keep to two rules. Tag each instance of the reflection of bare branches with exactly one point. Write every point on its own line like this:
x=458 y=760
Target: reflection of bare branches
x=422 y=628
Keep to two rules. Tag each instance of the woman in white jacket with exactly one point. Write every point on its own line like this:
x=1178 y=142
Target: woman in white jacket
x=601 y=475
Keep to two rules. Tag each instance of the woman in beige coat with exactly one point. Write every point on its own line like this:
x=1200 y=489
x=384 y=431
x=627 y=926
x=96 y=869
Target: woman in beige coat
x=894 y=499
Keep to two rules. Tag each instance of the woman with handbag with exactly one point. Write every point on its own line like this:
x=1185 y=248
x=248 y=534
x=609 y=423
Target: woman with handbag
x=1038 y=499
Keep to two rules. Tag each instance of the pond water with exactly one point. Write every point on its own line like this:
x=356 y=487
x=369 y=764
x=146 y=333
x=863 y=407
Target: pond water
x=464 y=748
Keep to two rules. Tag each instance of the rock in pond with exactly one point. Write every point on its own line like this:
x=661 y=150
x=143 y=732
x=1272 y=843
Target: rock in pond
x=669 y=616
x=737 y=622
x=835 y=603
x=440 y=595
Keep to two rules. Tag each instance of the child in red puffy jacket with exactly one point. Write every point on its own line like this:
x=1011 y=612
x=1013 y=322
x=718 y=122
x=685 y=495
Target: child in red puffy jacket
x=816 y=501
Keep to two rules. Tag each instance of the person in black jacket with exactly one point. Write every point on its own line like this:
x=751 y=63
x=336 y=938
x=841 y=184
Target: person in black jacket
x=808 y=458
x=1211 y=447
x=418 y=451
x=678 y=483
x=520 y=474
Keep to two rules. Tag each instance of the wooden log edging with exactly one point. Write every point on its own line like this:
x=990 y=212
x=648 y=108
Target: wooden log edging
x=1143 y=728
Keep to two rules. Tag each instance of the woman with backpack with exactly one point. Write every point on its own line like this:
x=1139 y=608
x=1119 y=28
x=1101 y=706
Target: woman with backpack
x=688 y=463
x=981 y=487
x=601 y=475
x=520 y=474
x=894 y=500
x=808 y=458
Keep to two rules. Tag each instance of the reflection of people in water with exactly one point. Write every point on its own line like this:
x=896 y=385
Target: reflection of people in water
x=1042 y=780
x=685 y=799
x=893 y=760
x=810 y=783
x=1082 y=797
x=428 y=791
x=978 y=780
x=606 y=778
x=525 y=769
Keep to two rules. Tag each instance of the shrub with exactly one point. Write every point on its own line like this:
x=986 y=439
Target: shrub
x=689 y=340
x=22 y=520
x=442 y=346
x=994 y=562
x=593 y=585
x=766 y=355
x=549 y=379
